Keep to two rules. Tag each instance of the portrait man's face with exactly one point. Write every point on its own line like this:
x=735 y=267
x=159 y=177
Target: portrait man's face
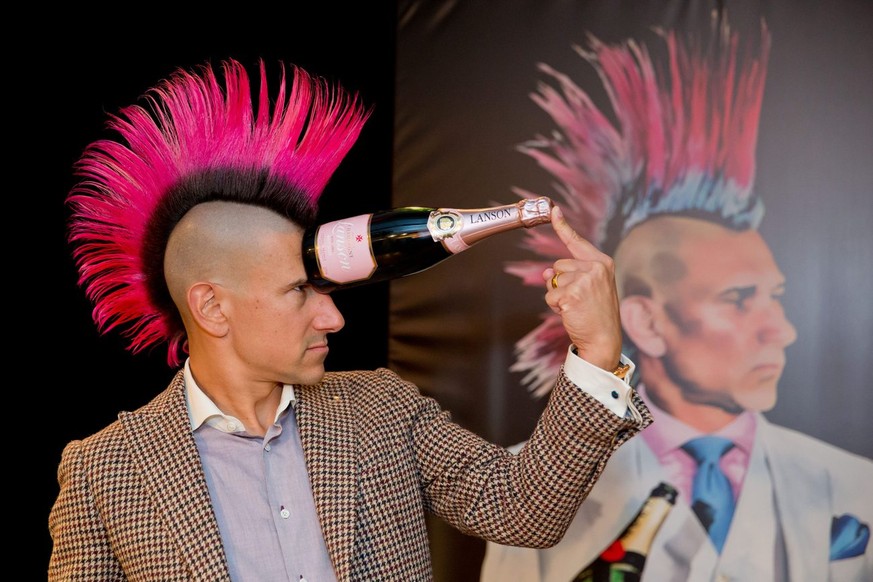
x=717 y=325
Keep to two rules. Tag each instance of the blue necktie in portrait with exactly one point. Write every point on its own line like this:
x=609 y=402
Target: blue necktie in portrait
x=712 y=498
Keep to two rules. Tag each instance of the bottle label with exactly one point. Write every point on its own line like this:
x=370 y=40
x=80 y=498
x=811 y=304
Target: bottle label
x=343 y=249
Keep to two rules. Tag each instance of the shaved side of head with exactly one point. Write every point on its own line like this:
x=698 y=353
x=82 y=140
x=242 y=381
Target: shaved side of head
x=217 y=242
x=649 y=257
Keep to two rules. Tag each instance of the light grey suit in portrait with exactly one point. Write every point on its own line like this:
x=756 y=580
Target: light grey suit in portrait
x=794 y=489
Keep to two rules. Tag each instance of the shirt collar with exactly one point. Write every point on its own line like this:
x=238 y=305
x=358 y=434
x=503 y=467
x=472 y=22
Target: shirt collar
x=202 y=409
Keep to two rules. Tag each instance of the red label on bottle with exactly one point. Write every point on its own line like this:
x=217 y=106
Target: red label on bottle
x=614 y=552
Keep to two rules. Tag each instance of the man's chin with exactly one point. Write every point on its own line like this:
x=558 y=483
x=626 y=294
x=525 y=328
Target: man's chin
x=762 y=399
x=311 y=375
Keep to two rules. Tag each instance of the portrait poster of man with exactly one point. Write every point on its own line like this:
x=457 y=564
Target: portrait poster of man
x=719 y=153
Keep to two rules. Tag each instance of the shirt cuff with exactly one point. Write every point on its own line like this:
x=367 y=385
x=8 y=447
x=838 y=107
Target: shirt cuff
x=612 y=391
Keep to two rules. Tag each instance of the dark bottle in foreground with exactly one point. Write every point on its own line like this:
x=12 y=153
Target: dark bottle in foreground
x=389 y=244
x=624 y=560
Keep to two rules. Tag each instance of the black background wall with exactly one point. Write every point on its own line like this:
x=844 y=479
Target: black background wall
x=96 y=63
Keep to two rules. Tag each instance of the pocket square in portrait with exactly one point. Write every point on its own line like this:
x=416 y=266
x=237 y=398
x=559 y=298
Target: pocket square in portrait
x=849 y=537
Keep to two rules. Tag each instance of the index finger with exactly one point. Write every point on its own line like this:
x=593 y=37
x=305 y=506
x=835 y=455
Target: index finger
x=578 y=245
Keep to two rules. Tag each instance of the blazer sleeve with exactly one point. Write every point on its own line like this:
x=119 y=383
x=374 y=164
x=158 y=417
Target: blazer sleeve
x=81 y=548
x=528 y=499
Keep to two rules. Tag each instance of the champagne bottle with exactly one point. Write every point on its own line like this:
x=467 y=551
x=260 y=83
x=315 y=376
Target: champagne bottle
x=389 y=244
x=623 y=561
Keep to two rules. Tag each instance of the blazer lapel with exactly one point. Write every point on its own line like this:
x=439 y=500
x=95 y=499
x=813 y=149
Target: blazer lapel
x=802 y=502
x=162 y=448
x=329 y=437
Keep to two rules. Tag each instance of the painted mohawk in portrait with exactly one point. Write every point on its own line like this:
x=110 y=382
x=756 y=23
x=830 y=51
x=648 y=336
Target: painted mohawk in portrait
x=680 y=140
x=196 y=140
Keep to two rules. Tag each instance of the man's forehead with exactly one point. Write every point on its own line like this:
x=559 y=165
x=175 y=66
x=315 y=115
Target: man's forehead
x=745 y=264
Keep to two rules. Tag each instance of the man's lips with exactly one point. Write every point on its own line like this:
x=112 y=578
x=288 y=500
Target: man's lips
x=769 y=367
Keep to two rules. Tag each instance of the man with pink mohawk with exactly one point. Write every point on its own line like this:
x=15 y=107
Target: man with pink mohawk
x=667 y=190
x=255 y=464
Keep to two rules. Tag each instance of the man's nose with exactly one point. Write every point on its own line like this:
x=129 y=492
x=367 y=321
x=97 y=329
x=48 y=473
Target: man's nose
x=328 y=317
x=776 y=328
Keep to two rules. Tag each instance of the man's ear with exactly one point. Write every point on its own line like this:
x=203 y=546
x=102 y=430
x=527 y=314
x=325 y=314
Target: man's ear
x=205 y=306
x=638 y=321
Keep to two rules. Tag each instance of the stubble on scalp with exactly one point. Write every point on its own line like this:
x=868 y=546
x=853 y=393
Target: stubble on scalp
x=647 y=259
x=216 y=241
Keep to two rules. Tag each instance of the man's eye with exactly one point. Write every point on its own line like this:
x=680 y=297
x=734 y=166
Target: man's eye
x=740 y=302
x=739 y=298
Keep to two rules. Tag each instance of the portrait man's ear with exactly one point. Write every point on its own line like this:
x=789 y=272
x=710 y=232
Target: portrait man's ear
x=638 y=321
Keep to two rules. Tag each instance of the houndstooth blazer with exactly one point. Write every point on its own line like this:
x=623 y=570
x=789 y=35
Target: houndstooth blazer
x=133 y=501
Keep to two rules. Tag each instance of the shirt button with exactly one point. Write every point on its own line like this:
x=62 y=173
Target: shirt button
x=614 y=394
x=231 y=426
x=285 y=513
x=267 y=447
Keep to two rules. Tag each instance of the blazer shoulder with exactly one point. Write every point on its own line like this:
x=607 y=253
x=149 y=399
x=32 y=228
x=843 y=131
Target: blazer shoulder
x=808 y=459
x=792 y=442
x=112 y=435
x=380 y=381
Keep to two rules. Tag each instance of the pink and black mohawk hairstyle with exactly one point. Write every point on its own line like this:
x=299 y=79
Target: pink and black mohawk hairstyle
x=683 y=143
x=195 y=140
